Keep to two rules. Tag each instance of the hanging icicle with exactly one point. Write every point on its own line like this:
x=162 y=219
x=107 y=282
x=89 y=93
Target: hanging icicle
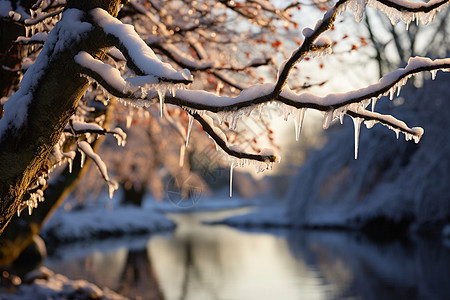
x=299 y=115
x=357 y=124
x=70 y=160
x=374 y=101
x=83 y=158
x=327 y=118
x=191 y=121
x=182 y=153
x=161 y=100
x=231 y=178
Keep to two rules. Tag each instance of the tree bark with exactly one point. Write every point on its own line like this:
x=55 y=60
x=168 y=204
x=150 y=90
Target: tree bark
x=23 y=152
x=21 y=230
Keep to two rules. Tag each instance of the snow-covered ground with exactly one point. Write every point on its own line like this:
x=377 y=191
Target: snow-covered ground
x=45 y=284
x=273 y=215
x=99 y=222
x=107 y=218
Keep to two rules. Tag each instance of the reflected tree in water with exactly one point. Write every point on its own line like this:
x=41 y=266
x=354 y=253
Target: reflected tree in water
x=138 y=279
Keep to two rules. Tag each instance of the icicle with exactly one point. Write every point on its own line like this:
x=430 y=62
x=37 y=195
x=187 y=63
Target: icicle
x=374 y=101
x=391 y=93
x=286 y=114
x=299 y=115
x=399 y=87
x=111 y=191
x=219 y=86
x=191 y=120
x=365 y=103
x=369 y=124
x=341 y=118
x=112 y=186
x=120 y=136
x=70 y=160
x=433 y=74
x=83 y=158
x=40 y=195
x=129 y=118
x=161 y=100
x=231 y=178
x=418 y=134
x=397 y=133
x=357 y=124
x=182 y=152
x=327 y=118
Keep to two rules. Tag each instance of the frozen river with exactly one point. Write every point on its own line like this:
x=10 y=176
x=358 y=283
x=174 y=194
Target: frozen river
x=218 y=262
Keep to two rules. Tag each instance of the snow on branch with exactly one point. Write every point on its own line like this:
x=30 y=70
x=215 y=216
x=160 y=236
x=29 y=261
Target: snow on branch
x=397 y=10
x=333 y=105
x=140 y=57
x=143 y=90
x=87 y=150
x=233 y=151
x=79 y=128
x=42 y=17
x=38 y=38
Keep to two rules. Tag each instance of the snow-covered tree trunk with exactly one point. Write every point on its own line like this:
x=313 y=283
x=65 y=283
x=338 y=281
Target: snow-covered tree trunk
x=21 y=229
x=52 y=101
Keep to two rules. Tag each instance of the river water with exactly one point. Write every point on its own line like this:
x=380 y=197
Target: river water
x=199 y=261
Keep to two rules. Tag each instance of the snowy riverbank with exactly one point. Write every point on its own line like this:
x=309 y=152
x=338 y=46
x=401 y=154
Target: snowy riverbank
x=99 y=222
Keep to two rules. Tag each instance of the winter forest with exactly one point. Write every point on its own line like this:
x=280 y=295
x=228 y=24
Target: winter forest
x=212 y=149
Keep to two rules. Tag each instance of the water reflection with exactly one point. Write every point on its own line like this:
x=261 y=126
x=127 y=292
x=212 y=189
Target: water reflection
x=204 y=262
x=216 y=262
x=122 y=265
x=361 y=268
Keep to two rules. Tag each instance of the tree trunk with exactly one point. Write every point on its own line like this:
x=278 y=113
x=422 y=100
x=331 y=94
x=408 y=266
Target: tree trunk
x=23 y=152
x=21 y=230
x=132 y=195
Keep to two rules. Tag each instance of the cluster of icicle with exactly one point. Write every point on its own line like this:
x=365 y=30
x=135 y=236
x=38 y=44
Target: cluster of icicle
x=58 y=157
x=231 y=117
x=86 y=150
x=141 y=92
x=259 y=165
x=394 y=15
x=297 y=114
x=334 y=114
x=35 y=197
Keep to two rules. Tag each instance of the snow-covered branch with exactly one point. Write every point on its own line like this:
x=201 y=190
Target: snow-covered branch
x=87 y=150
x=394 y=9
x=140 y=58
x=233 y=151
x=80 y=128
x=335 y=105
x=414 y=7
